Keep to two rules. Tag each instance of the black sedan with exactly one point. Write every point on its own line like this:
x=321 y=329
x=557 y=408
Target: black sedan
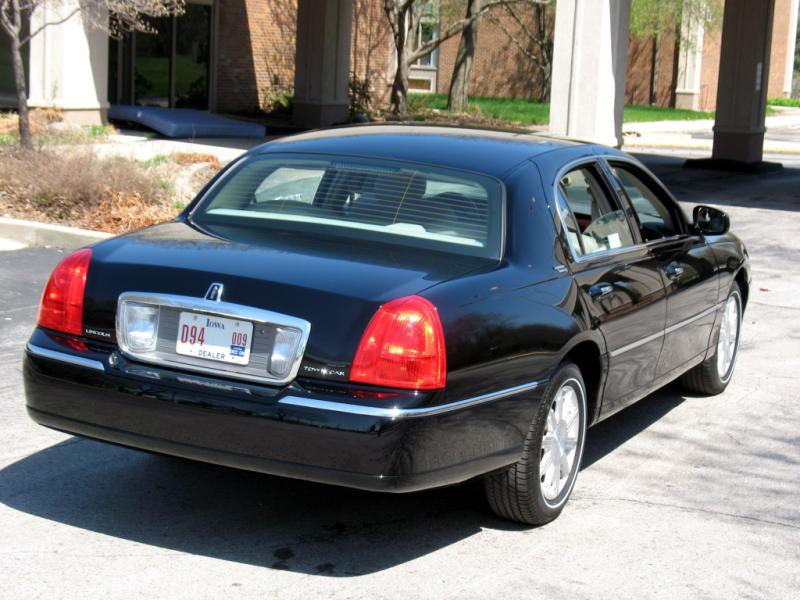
x=394 y=309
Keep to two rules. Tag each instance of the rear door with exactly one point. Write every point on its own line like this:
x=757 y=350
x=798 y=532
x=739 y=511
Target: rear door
x=686 y=263
x=620 y=280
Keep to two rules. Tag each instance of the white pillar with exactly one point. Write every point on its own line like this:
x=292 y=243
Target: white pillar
x=739 y=124
x=690 y=63
x=589 y=69
x=68 y=64
x=322 y=62
x=790 y=49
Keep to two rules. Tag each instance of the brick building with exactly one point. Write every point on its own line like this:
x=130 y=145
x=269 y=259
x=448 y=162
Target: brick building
x=234 y=56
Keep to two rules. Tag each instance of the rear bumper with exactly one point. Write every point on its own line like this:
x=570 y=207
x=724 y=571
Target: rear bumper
x=330 y=435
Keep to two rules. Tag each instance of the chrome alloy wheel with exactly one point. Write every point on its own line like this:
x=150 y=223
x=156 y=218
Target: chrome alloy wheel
x=728 y=342
x=560 y=440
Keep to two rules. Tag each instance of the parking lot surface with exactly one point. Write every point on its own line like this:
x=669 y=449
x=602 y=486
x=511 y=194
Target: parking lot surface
x=679 y=496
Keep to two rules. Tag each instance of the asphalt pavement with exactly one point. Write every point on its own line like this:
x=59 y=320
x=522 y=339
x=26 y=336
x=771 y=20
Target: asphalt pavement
x=678 y=496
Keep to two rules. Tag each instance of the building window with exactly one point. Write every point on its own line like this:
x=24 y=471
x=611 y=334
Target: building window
x=422 y=74
x=8 y=88
x=170 y=67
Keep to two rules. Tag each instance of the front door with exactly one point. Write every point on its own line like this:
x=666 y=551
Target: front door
x=686 y=263
x=620 y=280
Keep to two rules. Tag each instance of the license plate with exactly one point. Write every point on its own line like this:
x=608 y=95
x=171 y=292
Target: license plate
x=214 y=338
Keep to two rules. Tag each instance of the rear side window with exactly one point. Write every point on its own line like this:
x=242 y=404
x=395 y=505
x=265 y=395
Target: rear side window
x=400 y=203
x=593 y=220
x=655 y=219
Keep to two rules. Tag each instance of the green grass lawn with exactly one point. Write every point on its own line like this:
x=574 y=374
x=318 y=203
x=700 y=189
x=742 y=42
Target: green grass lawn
x=528 y=112
x=794 y=102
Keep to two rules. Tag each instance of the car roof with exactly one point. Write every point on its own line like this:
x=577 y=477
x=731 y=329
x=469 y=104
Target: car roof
x=488 y=151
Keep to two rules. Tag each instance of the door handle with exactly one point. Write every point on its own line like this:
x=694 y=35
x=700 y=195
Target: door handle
x=673 y=271
x=600 y=290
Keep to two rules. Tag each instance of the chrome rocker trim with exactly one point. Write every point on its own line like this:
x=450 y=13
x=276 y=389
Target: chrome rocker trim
x=64 y=357
x=666 y=330
x=395 y=413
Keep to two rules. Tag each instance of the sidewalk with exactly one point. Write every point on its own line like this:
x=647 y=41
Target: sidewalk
x=140 y=146
x=782 y=137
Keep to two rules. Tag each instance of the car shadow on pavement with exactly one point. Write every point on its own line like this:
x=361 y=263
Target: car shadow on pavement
x=261 y=520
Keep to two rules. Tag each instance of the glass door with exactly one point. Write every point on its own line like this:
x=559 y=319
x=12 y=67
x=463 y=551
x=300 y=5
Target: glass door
x=192 y=56
x=152 y=64
x=169 y=68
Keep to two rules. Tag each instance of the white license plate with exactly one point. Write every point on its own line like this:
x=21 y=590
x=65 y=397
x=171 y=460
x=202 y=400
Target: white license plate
x=214 y=338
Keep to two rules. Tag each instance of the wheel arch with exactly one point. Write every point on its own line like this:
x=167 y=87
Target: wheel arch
x=741 y=278
x=590 y=358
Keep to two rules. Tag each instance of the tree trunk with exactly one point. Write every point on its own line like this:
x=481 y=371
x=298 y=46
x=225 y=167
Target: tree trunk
x=25 y=138
x=458 y=98
x=399 y=97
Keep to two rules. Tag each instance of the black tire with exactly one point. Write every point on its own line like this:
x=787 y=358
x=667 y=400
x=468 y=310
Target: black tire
x=516 y=493
x=705 y=378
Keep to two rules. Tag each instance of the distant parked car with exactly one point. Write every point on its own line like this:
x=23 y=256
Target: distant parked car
x=394 y=309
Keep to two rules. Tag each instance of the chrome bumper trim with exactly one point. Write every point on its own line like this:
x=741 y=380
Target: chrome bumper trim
x=395 y=413
x=78 y=361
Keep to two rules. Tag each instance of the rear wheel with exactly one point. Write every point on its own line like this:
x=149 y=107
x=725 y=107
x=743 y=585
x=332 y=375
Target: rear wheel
x=713 y=375
x=535 y=489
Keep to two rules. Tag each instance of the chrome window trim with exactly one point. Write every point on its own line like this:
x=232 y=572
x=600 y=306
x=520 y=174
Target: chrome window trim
x=64 y=357
x=395 y=413
x=665 y=331
x=220 y=309
x=582 y=259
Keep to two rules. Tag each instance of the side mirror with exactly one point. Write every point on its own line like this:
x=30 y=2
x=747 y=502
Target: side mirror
x=711 y=221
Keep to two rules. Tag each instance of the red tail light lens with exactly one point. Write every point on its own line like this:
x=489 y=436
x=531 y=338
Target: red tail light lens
x=402 y=347
x=62 y=302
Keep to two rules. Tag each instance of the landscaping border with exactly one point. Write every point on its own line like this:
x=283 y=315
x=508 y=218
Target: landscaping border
x=32 y=233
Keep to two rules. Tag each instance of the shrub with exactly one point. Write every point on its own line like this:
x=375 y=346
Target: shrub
x=76 y=187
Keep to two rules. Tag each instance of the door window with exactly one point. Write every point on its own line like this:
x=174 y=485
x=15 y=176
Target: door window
x=655 y=219
x=594 y=221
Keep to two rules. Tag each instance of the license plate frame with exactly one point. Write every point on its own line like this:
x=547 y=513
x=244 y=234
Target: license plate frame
x=214 y=338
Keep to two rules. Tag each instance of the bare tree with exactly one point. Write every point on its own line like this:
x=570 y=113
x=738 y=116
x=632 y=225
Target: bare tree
x=404 y=18
x=112 y=16
x=529 y=26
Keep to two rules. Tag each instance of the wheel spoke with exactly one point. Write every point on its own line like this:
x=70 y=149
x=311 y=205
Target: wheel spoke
x=570 y=444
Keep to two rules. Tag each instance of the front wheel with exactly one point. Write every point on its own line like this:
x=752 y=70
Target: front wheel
x=535 y=489
x=713 y=375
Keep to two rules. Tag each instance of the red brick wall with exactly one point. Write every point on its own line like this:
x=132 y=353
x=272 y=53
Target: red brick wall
x=780 y=49
x=709 y=72
x=371 y=48
x=255 y=51
x=640 y=68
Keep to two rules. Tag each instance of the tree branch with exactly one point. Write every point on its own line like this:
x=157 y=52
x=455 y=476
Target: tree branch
x=38 y=30
x=522 y=48
x=460 y=25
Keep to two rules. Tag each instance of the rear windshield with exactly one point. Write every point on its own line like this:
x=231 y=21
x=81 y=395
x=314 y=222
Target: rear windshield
x=362 y=199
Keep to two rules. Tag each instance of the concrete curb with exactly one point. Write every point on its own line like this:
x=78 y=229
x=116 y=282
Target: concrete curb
x=31 y=233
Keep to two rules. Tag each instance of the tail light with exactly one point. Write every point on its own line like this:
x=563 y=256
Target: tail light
x=402 y=347
x=62 y=302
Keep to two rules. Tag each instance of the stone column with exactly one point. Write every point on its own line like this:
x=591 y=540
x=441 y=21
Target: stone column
x=690 y=63
x=68 y=65
x=589 y=68
x=743 y=79
x=322 y=62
